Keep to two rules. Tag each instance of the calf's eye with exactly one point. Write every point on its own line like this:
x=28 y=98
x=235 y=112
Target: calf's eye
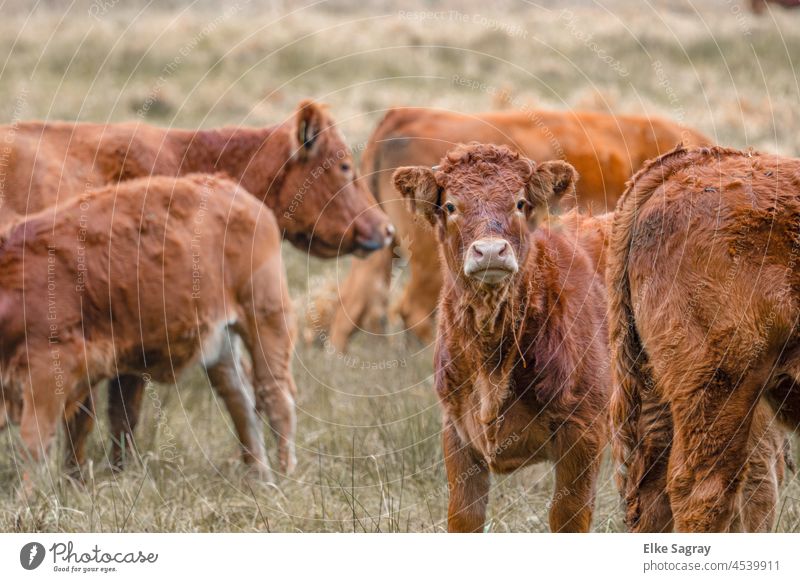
x=520 y=205
x=450 y=207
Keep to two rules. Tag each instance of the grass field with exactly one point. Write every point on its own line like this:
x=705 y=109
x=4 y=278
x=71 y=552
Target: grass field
x=368 y=424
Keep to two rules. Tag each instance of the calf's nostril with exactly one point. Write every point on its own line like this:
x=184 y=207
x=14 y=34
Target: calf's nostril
x=390 y=230
x=503 y=249
x=478 y=252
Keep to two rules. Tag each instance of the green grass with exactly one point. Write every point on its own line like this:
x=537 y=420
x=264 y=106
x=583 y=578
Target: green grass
x=368 y=439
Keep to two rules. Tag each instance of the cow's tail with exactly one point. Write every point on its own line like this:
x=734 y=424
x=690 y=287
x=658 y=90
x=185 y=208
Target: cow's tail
x=630 y=369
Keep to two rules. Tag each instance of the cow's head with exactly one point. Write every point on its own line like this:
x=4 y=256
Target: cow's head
x=483 y=200
x=321 y=207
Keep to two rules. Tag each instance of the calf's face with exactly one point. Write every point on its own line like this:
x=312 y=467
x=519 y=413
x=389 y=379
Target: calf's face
x=483 y=200
x=325 y=210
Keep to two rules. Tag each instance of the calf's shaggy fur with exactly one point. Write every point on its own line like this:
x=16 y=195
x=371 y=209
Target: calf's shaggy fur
x=146 y=278
x=521 y=362
x=704 y=296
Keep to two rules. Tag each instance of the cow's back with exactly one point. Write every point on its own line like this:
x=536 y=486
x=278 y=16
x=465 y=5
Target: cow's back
x=48 y=163
x=732 y=216
x=605 y=149
x=133 y=256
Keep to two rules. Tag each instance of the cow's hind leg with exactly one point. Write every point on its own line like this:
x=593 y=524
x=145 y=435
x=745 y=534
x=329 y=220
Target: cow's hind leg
x=125 y=395
x=268 y=333
x=233 y=385
x=765 y=472
x=364 y=294
x=706 y=468
x=759 y=497
x=420 y=299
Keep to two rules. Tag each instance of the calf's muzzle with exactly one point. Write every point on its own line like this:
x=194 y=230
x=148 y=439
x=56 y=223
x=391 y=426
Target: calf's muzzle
x=490 y=260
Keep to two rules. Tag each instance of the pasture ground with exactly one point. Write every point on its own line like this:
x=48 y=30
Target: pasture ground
x=368 y=430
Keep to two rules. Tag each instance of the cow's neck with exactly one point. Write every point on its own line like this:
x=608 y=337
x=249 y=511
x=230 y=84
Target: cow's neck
x=491 y=322
x=238 y=151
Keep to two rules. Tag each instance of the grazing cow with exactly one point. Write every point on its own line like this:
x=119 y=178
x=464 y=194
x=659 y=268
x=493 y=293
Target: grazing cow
x=521 y=362
x=301 y=169
x=605 y=150
x=147 y=277
x=703 y=306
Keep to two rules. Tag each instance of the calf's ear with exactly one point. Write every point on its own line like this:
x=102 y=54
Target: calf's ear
x=418 y=186
x=310 y=121
x=549 y=182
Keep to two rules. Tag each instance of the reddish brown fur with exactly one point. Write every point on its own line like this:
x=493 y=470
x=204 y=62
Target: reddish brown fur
x=604 y=149
x=703 y=298
x=643 y=483
x=147 y=277
x=521 y=366
x=301 y=169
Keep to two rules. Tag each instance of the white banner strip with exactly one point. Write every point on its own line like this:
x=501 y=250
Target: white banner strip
x=386 y=557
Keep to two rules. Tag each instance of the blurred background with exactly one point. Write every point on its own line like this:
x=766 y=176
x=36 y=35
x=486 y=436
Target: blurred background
x=368 y=434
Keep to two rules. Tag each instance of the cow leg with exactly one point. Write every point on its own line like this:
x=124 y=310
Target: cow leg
x=268 y=333
x=275 y=390
x=576 y=476
x=765 y=471
x=365 y=293
x=468 y=482
x=712 y=429
x=125 y=395
x=77 y=428
x=418 y=305
x=759 y=497
x=233 y=385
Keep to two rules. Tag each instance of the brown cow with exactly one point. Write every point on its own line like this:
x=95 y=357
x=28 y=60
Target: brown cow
x=703 y=295
x=301 y=169
x=147 y=277
x=521 y=362
x=604 y=149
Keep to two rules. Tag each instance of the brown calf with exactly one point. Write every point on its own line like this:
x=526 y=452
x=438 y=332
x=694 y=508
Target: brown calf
x=302 y=169
x=147 y=277
x=703 y=294
x=521 y=358
x=605 y=150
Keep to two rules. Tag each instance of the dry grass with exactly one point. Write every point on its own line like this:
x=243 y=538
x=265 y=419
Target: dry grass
x=368 y=441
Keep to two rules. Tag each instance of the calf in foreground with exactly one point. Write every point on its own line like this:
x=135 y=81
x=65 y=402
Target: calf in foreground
x=521 y=359
x=704 y=299
x=147 y=277
x=605 y=150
